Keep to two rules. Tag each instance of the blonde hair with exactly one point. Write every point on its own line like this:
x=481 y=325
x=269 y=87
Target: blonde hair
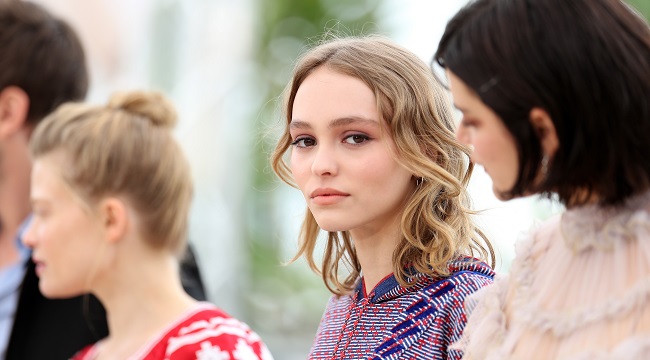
x=125 y=148
x=436 y=224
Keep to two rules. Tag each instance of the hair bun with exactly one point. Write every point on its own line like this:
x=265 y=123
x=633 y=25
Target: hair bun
x=152 y=105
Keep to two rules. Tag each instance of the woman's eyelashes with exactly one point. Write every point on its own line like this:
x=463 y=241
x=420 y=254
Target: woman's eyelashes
x=303 y=142
x=356 y=139
x=348 y=139
x=39 y=212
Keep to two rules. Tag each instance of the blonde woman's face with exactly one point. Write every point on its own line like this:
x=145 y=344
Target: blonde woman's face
x=481 y=128
x=63 y=234
x=339 y=159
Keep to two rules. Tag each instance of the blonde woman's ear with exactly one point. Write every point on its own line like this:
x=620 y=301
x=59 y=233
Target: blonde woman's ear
x=545 y=130
x=114 y=218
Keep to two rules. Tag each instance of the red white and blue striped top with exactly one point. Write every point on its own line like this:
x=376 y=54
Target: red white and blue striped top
x=394 y=322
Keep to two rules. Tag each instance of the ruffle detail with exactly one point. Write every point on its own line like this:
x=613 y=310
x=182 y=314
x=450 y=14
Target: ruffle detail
x=595 y=226
x=576 y=281
x=487 y=322
x=562 y=324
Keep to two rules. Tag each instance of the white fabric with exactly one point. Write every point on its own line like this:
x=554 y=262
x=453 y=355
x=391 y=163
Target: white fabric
x=579 y=288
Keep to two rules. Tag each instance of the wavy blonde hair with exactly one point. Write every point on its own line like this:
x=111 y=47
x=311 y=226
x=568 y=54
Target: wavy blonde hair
x=436 y=223
x=125 y=148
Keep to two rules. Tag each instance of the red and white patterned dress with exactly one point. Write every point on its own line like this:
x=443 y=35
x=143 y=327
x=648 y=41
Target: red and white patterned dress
x=205 y=332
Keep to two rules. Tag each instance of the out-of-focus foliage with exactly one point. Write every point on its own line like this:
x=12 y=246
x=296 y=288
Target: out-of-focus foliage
x=643 y=6
x=286 y=300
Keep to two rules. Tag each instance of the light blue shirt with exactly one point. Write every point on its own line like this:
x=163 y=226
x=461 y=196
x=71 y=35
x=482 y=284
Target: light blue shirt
x=10 y=279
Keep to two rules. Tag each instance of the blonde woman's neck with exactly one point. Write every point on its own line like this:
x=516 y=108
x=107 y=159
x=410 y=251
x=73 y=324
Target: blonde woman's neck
x=141 y=301
x=375 y=248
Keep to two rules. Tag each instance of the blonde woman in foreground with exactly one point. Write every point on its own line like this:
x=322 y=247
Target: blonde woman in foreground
x=373 y=151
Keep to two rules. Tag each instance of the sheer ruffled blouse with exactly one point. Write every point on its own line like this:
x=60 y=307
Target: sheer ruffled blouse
x=579 y=288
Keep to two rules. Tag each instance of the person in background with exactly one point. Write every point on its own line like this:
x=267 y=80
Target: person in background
x=42 y=64
x=372 y=149
x=111 y=183
x=555 y=100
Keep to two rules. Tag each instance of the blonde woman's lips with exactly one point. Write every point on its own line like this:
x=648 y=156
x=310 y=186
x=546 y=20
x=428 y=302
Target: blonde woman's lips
x=327 y=196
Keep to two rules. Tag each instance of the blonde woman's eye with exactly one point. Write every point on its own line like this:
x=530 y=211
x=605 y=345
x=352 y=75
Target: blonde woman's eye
x=38 y=212
x=468 y=123
x=356 y=139
x=303 y=142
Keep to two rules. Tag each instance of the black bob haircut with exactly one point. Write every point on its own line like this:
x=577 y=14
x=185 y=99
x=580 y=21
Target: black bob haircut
x=587 y=64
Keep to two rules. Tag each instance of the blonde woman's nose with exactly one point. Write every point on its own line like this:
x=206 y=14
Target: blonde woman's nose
x=324 y=162
x=29 y=238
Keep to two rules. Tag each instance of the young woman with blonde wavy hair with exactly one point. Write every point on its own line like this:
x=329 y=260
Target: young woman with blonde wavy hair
x=372 y=148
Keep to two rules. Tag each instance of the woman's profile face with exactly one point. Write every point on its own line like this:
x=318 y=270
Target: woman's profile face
x=343 y=165
x=493 y=146
x=63 y=234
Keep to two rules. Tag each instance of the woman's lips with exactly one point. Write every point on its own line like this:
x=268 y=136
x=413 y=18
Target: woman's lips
x=327 y=196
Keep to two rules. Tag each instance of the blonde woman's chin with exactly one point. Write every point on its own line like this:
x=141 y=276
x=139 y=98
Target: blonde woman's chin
x=53 y=291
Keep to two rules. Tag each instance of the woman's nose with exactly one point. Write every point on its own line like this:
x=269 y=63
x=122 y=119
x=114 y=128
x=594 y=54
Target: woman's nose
x=324 y=163
x=28 y=237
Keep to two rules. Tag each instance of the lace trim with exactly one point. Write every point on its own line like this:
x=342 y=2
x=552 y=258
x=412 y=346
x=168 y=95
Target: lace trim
x=600 y=228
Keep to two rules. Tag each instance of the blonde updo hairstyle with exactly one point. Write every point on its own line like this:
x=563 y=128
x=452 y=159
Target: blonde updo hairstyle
x=126 y=149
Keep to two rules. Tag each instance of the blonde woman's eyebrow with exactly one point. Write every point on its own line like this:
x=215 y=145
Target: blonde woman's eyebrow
x=348 y=120
x=343 y=121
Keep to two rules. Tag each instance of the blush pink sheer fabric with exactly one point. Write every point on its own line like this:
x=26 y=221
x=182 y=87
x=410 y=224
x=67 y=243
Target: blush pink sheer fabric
x=579 y=288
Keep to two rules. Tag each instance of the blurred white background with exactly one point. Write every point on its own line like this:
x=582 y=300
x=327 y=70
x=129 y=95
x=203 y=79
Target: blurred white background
x=205 y=55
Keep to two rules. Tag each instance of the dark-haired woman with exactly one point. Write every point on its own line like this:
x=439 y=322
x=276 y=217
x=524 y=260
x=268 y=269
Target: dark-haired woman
x=555 y=97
